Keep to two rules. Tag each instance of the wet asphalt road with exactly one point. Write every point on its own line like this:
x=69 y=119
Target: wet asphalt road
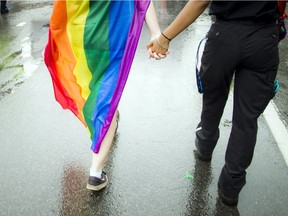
x=44 y=150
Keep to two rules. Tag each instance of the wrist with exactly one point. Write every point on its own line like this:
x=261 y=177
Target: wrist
x=155 y=35
x=163 y=41
x=166 y=37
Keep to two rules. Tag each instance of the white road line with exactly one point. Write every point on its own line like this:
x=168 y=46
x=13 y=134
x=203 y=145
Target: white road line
x=21 y=24
x=277 y=128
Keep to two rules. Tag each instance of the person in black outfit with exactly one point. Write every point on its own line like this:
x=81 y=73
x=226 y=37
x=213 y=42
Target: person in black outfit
x=4 y=8
x=241 y=43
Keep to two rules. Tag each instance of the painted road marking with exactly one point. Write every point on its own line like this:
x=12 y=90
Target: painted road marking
x=21 y=24
x=277 y=128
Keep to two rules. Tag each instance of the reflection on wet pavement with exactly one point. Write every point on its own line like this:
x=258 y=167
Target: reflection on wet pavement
x=201 y=198
x=45 y=155
x=19 y=46
x=77 y=200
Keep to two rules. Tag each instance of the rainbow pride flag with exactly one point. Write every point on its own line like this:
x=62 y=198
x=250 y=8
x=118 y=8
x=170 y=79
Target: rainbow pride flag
x=89 y=54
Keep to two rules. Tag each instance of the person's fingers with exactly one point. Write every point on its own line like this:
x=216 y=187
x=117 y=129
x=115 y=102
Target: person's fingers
x=156 y=56
x=154 y=46
x=150 y=53
x=155 y=51
x=161 y=55
x=149 y=45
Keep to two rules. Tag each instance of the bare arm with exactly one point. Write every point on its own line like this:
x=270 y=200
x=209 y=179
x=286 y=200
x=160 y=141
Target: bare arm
x=153 y=26
x=192 y=10
x=152 y=22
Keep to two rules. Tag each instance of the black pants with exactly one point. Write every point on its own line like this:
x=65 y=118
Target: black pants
x=247 y=51
x=3 y=4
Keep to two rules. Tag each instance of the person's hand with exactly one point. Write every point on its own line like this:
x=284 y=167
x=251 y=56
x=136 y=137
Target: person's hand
x=158 y=48
x=155 y=55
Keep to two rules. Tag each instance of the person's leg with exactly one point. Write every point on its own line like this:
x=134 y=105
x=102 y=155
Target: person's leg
x=4 y=8
x=217 y=67
x=98 y=160
x=253 y=89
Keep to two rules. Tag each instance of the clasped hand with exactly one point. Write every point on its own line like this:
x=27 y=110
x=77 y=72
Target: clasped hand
x=157 y=48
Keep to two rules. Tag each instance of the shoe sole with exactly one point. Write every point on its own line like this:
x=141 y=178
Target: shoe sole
x=98 y=187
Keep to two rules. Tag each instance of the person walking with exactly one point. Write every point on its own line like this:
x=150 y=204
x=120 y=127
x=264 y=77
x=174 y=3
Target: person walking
x=241 y=43
x=4 y=8
x=89 y=54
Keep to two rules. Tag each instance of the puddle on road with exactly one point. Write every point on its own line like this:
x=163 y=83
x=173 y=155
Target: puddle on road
x=6 y=87
x=16 y=67
x=8 y=59
x=22 y=44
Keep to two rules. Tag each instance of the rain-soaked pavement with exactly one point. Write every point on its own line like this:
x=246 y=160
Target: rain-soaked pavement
x=44 y=151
